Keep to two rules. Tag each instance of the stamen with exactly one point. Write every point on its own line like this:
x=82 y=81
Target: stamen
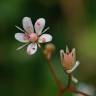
x=46 y=29
x=39 y=45
x=20 y=47
x=19 y=28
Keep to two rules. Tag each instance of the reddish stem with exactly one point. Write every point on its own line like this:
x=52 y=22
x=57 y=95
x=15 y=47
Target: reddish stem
x=57 y=81
x=78 y=92
x=71 y=88
x=61 y=88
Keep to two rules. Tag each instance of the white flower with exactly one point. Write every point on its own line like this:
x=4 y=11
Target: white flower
x=32 y=36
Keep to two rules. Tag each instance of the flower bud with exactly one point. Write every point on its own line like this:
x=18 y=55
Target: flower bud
x=68 y=59
x=49 y=49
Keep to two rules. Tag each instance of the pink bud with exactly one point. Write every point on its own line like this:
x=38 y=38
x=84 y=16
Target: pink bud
x=67 y=58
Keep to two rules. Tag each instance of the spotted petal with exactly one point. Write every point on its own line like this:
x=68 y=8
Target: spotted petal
x=45 y=38
x=27 y=24
x=21 y=37
x=39 y=25
x=32 y=48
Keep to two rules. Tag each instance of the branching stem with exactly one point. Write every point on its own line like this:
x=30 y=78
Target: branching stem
x=61 y=88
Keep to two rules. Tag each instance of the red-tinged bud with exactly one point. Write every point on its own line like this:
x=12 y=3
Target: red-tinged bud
x=49 y=49
x=68 y=59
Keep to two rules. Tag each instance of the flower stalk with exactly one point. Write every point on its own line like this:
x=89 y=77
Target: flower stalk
x=33 y=36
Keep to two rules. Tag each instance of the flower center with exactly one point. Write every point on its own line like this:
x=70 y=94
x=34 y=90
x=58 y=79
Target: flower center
x=32 y=37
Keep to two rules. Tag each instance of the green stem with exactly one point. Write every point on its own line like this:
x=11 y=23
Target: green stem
x=69 y=81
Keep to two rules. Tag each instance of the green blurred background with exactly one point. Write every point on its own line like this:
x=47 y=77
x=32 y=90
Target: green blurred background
x=71 y=22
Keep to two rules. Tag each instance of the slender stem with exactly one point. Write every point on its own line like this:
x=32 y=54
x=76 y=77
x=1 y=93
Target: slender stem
x=61 y=88
x=69 y=80
x=72 y=89
x=68 y=84
x=59 y=93
x=57 y=81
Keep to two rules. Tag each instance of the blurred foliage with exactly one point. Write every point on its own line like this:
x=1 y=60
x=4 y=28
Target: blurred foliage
x=71 y=22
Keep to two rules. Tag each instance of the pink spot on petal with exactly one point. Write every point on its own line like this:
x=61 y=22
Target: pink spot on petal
x=33 y=48
x=38 y=23
x=25 y=37
x=43 y=39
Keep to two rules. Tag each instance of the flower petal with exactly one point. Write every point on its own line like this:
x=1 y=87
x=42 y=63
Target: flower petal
x=39 y=25
x=62 y=56
x=19 y=28
x=21 y=37
x=32 y=48
x=45 y=38
x=74 y=55
x=27 y=24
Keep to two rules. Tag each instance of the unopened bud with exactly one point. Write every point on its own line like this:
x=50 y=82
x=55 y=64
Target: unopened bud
x=49 y=49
